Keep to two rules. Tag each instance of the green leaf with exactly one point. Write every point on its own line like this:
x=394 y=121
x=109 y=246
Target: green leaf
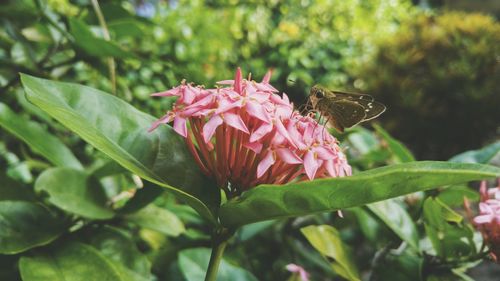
x=92 y=45
x=69 y=262
x=75 y=192
x=483 y=155
x=397 y=219
x=159 y=219
x=24 y=225
x=119 y=247
x=142 y=197
x=194 y=263
x=272 y=201
x=449 y=237
x=38 y=138
x=400 y=151
x=120 y=131
x=394 y=267
x=453 y=196
x=326 y=239
x=14 y=191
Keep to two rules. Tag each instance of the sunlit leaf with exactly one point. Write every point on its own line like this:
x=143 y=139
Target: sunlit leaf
x=120 y=131
x=326 y=239
x=272 y=201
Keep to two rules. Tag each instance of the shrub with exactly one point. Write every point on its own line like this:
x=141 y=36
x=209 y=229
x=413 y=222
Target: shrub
x=439 y=74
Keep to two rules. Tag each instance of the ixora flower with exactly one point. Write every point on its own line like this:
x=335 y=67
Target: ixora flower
x=243 y=134
x=488 y=220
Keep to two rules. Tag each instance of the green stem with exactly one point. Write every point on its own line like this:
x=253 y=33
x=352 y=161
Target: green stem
x=107 y=37
x=219 y=242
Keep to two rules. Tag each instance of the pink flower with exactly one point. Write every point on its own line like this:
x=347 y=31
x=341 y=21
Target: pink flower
x=488 y=220
x=299 y=270
x=243 y=134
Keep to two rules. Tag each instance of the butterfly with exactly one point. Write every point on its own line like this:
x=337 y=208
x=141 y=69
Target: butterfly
x=344 y=110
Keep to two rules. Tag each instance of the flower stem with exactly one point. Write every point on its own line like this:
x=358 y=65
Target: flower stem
x=219 y=242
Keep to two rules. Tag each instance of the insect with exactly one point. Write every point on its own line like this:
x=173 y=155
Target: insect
x=344 y=110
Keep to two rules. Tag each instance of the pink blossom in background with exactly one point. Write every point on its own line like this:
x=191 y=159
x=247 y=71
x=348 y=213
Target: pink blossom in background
x=488 y=219
x=243 y=134
x=299 y=270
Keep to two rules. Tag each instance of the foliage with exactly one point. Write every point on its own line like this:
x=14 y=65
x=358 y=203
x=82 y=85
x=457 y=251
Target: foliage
x=82 y=182
x=440 y=74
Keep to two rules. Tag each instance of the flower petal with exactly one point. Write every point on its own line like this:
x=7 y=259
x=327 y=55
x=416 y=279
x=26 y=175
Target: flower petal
x=263 y=130
x=172 y=92
x=167 y=118
x=267 y=162
x=180 y=125
x=267 y=77
x=238 y=81
x=288 y=156
x=235 y=121
x=310 y=165
x=257 y=110
x=210 y=126
x=254 y=146
x=483 y=219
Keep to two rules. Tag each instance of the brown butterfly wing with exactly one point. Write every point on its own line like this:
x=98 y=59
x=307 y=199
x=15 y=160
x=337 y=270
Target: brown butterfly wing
x=373 y=110
x=345 y=114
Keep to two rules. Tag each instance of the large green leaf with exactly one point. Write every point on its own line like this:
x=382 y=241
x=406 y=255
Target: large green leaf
x=397 y=219
x=120 y=131
x=70 y=262
x=75 y=192
x=271 y=201
x=194 y=263
x=38 y=138
x=24 y=225
x=326 y=239
x=159 y=219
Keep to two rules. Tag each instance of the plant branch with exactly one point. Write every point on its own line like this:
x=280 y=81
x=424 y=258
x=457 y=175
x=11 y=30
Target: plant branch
x=105 y=32
x=219 y=242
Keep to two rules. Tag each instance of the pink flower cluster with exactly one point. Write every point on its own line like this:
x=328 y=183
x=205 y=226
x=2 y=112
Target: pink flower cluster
x=488 y=220
x=243 y=134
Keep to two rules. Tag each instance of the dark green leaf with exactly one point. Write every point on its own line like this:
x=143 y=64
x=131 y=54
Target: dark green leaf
x=271 y=201
x=120 y=131
x=394 y=267
x=397 y=219
x=118 y=246
x=194 y=263
x=14 y=191
x=142 y=197
x=326 y=239
x=159 y=219
x=483 y=155
x=399 y=150
x=69 y=262
x=75 y=192
x=24 y=225
x=38 y=138
x=92 y=45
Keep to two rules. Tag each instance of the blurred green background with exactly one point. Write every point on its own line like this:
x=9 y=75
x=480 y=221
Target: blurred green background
x=435 y=64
